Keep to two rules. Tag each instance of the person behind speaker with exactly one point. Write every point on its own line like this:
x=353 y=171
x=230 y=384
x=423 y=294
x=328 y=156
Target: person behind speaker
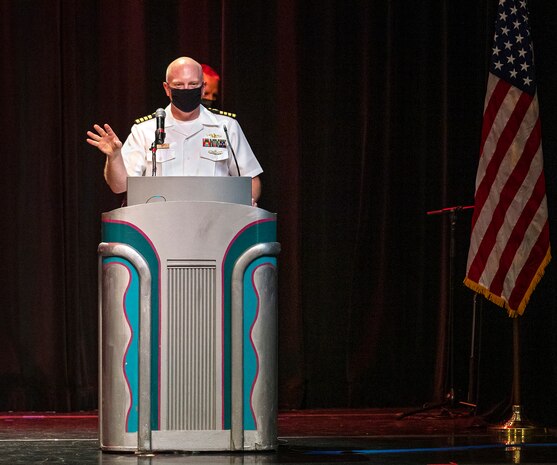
x=211 y=91
x=198 y=142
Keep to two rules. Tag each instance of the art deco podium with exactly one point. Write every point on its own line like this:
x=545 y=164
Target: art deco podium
x=188 y=320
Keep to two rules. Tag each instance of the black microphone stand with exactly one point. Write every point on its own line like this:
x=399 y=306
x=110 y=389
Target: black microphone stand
x=449 y=399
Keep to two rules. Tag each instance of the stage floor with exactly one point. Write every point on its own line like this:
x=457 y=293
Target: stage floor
x=306 y=437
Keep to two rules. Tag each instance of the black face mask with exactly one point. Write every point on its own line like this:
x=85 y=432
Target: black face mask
x=186 y=100
x=209 y=103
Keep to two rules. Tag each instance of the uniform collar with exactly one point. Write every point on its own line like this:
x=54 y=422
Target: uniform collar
x=209 y=118
x=206 y=117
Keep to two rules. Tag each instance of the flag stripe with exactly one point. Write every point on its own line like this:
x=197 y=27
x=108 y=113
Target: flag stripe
x=503 y=143
x=517 y=235
x=505 y=170
x=531 y=272
x=492 y=108
x=497 y=92
x=508 y=193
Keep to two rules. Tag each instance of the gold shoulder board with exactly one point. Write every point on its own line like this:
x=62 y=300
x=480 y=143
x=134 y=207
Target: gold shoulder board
x=144 y=118
x=220 y=112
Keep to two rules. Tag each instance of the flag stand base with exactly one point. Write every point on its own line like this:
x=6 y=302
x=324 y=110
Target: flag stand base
x=517 y=430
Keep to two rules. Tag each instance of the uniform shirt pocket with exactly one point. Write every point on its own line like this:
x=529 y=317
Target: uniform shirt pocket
x=214 y=154
x=214 y=147
x=164 y=155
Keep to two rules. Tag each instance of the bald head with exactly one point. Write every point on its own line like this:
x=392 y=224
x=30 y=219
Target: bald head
x=183 y=76
x=184 y=66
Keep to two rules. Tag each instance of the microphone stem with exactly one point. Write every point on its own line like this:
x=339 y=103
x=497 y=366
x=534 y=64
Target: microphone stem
x=154 y=158
x=232 y=150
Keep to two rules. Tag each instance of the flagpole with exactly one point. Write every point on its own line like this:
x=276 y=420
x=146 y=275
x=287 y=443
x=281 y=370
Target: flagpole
x=517 y=429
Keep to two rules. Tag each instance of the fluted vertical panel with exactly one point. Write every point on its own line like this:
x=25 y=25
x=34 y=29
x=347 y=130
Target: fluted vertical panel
x=191 y=347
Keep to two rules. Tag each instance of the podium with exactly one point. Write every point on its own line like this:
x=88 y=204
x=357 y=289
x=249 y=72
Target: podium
x=188 y=326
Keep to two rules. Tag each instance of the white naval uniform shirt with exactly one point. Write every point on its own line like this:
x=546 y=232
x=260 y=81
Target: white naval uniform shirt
x=192 y=148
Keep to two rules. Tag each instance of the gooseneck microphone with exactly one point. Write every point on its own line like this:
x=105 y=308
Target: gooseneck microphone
x=232 y=149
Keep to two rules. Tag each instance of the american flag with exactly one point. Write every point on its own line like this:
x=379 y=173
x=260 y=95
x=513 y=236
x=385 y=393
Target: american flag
x=509 y=244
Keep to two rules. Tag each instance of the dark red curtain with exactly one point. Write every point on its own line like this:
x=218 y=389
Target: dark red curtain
x=364 y=115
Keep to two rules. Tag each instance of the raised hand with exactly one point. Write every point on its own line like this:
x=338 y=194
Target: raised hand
x=105 y=140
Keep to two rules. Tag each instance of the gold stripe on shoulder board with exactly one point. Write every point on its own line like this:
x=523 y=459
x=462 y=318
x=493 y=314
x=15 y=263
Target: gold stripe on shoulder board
x=223 y=113
x=144 y=118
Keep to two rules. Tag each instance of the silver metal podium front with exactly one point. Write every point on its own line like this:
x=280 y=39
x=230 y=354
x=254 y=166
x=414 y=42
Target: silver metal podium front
x=188 y=327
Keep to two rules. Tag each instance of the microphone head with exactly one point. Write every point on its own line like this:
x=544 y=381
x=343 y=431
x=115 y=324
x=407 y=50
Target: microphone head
x=160 y=113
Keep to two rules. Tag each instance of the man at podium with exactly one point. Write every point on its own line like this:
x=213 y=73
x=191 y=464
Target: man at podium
x=196 y=141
